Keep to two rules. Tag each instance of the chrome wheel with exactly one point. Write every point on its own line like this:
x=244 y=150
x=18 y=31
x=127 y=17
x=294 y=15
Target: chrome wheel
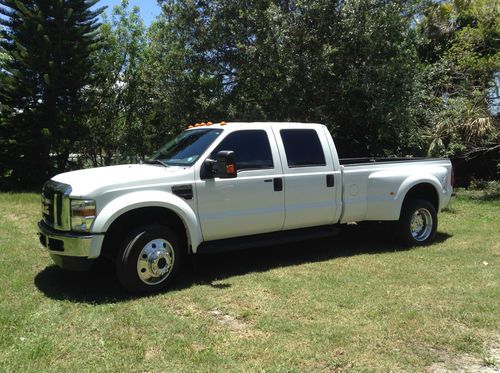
x=155 y=261
x=421 y=224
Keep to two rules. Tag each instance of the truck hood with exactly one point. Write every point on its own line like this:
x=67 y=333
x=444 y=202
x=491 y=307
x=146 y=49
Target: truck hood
x=92 y=181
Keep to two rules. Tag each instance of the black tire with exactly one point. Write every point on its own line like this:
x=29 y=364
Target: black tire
x=415 y=236
x=145 y=239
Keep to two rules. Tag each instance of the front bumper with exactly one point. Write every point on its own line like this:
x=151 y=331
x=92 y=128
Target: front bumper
x=70 y=244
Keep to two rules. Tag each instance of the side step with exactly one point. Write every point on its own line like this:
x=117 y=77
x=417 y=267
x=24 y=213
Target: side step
x=268 y=239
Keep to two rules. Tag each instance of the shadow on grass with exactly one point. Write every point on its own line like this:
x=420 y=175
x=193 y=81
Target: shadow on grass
x=101 y=286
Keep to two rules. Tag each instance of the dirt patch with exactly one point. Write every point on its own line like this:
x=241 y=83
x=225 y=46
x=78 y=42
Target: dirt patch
x=496 y=250
x=228 y=321
x=489 y=363
x=151 y=353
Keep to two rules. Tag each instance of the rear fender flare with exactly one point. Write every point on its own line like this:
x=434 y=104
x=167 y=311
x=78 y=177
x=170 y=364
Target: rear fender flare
x=417 y=179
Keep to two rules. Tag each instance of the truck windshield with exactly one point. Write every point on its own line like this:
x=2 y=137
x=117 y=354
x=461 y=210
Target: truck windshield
x=186 y=148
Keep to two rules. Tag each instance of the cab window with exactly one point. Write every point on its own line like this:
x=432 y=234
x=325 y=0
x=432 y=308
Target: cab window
x=251 y=148
x=302 y=148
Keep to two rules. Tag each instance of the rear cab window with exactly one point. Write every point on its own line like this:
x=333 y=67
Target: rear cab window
x=302 y=148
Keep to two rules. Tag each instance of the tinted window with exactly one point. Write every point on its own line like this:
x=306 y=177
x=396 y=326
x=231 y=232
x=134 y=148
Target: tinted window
x=302 y=148
x=251 y=149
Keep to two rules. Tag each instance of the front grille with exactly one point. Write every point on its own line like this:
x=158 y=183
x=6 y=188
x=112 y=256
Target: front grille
x=48 y=206
x=58 y=209
x=54 y=195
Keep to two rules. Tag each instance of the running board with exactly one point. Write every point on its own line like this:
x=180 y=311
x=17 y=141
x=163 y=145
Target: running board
x=267 y=239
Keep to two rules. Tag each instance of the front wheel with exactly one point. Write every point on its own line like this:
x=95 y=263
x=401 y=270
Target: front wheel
x=418 y=223
x=149 y=259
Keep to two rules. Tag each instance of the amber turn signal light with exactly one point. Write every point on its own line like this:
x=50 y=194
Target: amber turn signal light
x=230 y=168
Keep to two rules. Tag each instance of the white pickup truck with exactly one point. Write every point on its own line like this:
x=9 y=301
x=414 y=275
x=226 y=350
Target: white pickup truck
x=228 y=186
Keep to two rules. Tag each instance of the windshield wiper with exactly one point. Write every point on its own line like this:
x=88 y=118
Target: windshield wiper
x=155 y=161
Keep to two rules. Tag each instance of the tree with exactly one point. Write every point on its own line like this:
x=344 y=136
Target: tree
x=182 y=77
x=3 y=59
x=117 y=119
x=48 y=43
x=348 y=64
x=365 y=74
x=459 y=49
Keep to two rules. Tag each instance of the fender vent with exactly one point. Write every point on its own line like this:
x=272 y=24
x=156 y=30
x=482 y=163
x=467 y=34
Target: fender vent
x=183 y=191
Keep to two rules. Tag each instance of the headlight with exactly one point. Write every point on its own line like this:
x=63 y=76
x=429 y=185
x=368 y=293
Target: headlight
x=82 y=214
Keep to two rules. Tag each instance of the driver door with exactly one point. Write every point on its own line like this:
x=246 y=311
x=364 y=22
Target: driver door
x=248 y=204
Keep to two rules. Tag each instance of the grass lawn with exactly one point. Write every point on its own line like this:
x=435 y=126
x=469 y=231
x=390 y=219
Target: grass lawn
x=356 y=302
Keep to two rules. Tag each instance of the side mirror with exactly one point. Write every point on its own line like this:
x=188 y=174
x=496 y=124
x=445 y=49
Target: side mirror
x=226 y=167
x=209 y=169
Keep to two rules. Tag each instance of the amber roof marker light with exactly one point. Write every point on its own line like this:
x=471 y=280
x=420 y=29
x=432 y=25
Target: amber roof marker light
x=202 y=124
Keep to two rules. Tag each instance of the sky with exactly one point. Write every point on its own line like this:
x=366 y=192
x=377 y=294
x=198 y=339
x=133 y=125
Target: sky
x=149 y=8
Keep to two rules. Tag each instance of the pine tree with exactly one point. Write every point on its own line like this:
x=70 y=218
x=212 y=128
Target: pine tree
x=48 y=45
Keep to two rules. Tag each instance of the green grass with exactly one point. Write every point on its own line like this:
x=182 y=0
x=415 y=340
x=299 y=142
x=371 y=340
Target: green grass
x=356 y=302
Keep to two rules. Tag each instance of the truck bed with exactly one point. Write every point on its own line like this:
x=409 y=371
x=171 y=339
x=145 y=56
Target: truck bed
x=374 y=188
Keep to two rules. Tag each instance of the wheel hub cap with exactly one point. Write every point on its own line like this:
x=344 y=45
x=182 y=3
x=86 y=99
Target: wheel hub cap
x=421 y=224
x=155 y=261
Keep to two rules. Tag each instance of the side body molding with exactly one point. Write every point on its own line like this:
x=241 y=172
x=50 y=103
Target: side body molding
x=135 y=200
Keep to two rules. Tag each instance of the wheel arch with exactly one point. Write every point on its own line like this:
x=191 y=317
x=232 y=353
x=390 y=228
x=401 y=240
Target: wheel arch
x=424 y=190
x=131 y=219
x=123 y=214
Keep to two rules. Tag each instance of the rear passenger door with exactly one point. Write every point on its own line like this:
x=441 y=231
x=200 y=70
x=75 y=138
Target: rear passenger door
x=308 y=177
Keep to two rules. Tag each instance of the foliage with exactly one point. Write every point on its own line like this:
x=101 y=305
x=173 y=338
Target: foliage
x=117 y=108
x=460 y=48
x=346 y=64
x=48 y=45
x=388 y=78
x=484 y=189
x=3 y=58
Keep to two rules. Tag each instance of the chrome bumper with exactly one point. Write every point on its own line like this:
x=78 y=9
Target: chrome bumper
x=69 y=243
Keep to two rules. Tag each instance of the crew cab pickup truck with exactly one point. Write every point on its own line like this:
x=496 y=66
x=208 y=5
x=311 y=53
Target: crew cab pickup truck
x=227 y=186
